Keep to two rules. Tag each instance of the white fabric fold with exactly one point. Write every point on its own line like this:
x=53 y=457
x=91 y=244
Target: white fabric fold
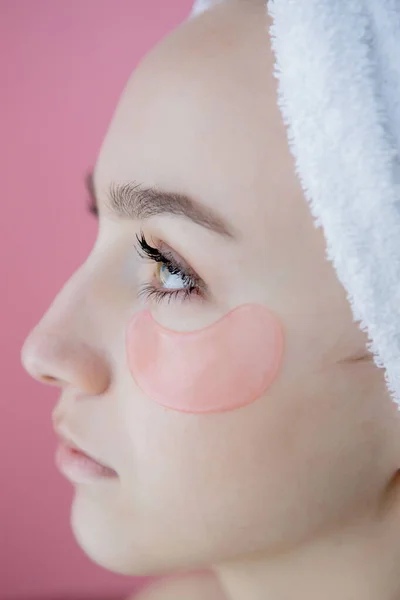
x=200 y=6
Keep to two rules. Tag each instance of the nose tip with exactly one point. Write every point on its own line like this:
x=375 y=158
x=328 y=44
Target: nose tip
x=33 y=362
x=57 y=359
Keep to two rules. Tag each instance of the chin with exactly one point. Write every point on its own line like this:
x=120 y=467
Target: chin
x=92 y=533
x=112 y=545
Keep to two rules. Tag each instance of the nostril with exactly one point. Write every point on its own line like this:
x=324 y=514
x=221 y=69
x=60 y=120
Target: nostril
x=48 y=379
x=33 y=365
x=58 y=359
x=39 y=357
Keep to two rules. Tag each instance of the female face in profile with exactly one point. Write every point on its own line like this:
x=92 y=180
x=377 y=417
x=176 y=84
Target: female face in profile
x=217 y=402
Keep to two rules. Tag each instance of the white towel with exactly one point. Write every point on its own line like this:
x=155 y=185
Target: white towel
x=338 y=71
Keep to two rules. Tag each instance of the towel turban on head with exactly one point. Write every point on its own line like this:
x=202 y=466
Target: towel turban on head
x=338 y=68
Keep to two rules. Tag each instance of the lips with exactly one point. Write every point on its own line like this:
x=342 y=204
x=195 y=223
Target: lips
x=79 y=466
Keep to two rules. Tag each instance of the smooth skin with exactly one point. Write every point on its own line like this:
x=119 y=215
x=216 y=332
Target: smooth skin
x=295 y=495
x=193 y=586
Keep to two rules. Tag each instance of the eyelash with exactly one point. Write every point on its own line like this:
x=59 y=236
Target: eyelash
x=150 y=291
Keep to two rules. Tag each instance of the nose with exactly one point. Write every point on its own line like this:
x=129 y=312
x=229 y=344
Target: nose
x=56 y=358
x=61 y=350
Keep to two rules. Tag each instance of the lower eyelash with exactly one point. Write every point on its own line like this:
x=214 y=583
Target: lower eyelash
x=149 y=291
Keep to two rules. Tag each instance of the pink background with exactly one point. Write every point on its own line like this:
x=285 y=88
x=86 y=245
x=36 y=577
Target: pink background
x=63 y=64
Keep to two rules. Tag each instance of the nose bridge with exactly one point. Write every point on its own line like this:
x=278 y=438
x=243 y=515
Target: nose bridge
x=70 y=309
x=63 y=347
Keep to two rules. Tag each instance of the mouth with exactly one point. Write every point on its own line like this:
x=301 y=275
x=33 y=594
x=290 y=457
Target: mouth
x=78 y=466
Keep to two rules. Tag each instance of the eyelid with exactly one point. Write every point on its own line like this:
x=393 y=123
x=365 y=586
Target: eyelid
x=177 y=261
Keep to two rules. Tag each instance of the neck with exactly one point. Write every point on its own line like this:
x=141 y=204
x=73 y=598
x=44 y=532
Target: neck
x=360 y=562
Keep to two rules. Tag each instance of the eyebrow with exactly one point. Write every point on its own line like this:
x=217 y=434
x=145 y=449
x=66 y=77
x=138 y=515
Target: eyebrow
x=132 y=200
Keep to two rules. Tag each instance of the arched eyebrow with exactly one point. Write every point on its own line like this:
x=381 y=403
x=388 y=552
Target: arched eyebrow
x=132 y=200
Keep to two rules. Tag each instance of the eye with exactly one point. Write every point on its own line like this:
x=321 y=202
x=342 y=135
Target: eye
x=172 y=278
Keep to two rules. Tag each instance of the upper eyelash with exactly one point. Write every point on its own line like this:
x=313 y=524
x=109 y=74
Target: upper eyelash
x=146 y=251
x=149 y=251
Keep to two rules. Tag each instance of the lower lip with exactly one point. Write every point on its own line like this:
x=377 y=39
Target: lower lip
x=80 y=468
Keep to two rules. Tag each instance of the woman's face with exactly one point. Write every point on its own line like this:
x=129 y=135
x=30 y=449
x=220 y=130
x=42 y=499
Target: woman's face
x=199 y=118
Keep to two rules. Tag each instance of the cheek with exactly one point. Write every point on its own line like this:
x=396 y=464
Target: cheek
x=222 y=367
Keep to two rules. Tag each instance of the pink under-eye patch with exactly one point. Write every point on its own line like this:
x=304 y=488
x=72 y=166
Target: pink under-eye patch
x=224 y=366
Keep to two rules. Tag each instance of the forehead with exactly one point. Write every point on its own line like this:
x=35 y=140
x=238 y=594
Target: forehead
x=199 y=116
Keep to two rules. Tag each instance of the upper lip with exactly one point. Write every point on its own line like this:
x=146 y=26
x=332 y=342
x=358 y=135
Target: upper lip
x=67 y=439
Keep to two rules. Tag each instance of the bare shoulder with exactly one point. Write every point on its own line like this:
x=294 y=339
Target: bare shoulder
x=185 y=587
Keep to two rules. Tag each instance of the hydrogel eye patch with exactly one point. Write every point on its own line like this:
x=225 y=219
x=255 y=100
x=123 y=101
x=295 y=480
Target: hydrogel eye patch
x=224 y=366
